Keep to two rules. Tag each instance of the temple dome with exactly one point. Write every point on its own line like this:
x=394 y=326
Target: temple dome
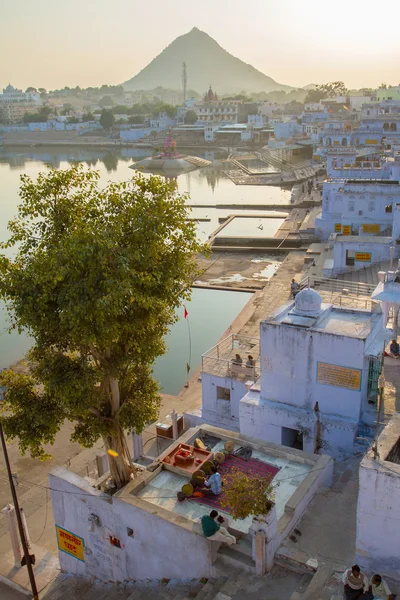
x=308 y=303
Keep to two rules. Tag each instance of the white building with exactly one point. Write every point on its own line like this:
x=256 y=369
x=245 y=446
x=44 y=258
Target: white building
x=144 y=532
x=315 y=370
x=355 y=203
x=378 y=509
x=14 y=104
x=162 y=122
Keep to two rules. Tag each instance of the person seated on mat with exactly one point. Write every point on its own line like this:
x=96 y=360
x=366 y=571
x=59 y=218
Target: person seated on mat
x=394 y=349
x=213 y=531
x=213 y=483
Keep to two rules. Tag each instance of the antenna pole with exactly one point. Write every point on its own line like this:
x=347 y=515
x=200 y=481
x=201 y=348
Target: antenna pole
x=184 y=80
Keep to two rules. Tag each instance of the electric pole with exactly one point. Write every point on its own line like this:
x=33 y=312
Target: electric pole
x=184 y=80
x=19 y=520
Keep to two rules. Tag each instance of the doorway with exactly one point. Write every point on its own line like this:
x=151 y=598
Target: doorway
x=292 y=438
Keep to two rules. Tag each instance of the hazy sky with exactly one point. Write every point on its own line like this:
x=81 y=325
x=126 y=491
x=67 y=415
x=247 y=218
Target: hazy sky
x=53 y=43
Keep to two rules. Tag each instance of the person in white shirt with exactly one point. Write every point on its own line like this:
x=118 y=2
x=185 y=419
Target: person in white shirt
x=378 y=590
x=355 y=583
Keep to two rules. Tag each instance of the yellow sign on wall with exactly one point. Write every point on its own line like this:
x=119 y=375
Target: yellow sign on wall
x=346 y=229
x=70 y=543
x=372 y=142
x=363 y=256
x=371 y=228
x=338 y=228
x=329 y=374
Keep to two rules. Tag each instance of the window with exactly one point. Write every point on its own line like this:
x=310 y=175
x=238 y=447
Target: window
x=350 y=258
x=371 y=206
x=223 y=393
x=351 y=206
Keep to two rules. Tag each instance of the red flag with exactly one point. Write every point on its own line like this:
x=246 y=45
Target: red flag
x=185 y=312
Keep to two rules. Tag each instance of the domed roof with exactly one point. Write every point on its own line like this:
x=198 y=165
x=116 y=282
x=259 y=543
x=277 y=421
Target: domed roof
x=308 y=303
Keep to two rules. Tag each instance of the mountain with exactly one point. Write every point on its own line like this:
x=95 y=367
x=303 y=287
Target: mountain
x=207 y=63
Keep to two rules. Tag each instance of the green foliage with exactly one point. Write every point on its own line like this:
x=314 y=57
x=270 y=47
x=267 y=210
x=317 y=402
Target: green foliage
x=89 y=116
x=136 y=120
x=95 y=281
x=106 y=101
x=327 y=90
x=107 y=119
x=73 y=120
x=190 y=117
x=246 y=495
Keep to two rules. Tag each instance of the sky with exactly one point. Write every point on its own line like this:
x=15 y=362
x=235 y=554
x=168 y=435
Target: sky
x=52 y=44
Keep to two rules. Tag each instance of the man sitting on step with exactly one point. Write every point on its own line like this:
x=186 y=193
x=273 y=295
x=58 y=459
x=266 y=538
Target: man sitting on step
x=213 y=531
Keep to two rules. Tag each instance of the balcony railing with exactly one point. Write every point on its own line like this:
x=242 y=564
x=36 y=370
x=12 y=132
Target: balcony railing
x=221 y=360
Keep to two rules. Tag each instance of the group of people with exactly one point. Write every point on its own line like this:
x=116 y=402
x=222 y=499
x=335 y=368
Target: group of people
x=357 y=586
x=238 y=360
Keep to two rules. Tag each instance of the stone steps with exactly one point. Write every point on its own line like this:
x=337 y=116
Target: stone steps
x=230 y=556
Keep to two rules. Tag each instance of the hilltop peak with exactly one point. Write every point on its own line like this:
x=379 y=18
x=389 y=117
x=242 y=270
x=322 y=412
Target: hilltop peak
x=206 y=62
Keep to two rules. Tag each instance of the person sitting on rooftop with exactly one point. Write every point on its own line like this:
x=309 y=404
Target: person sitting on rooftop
x=394 y=349
x=237 y=360
x=215 y=532
x=250 y=362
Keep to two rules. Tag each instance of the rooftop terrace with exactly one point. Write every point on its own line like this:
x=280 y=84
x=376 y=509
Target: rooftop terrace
x=293 y=480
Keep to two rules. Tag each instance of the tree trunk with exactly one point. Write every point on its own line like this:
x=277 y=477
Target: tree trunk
x=120 y=468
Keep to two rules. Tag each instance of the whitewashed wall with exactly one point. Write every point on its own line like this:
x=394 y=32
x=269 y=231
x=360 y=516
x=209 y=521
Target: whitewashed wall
x=378 y=509
x=221 y=413
x=160 y=548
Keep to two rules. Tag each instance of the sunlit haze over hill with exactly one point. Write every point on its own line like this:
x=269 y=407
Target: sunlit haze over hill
x=56 y=44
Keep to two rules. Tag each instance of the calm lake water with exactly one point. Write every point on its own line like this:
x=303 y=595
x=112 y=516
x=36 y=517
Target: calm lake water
x=210 y=311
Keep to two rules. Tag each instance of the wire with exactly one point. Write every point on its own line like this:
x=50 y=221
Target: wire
x=45 y=519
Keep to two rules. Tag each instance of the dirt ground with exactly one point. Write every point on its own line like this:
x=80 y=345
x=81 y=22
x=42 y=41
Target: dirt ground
x=247 y=270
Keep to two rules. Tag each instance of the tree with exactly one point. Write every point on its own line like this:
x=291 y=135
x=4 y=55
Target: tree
x=190 y=117
x=106 y=101
x=246 y=495
x=31 y=89
x=136 y=120
x=326 y=90
x=95 y=280
x=89 y=116
x=72 y=120
x=107 y=118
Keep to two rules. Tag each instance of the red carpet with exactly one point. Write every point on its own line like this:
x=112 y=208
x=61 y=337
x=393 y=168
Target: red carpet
x=254 y=466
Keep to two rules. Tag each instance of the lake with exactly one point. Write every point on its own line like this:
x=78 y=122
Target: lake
x=210 y=311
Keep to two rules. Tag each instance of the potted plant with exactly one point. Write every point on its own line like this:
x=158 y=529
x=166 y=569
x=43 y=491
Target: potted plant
x=247 y=494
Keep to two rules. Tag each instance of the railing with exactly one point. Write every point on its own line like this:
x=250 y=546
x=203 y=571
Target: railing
x=221 y=359
x=338 y=285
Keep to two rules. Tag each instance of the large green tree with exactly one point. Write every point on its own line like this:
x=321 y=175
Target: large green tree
x=95 y=279
x=107 y=118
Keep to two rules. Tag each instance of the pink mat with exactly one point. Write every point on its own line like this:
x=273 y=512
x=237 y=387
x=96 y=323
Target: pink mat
x=254 y=466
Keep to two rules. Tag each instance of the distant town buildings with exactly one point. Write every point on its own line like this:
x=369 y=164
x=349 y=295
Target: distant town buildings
x=14 y=104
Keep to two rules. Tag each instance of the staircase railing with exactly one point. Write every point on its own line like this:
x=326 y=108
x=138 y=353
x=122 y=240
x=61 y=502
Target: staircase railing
x=355 y=288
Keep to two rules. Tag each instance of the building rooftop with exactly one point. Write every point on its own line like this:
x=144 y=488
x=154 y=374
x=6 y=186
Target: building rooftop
x=295 y=477
x=336 y=320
